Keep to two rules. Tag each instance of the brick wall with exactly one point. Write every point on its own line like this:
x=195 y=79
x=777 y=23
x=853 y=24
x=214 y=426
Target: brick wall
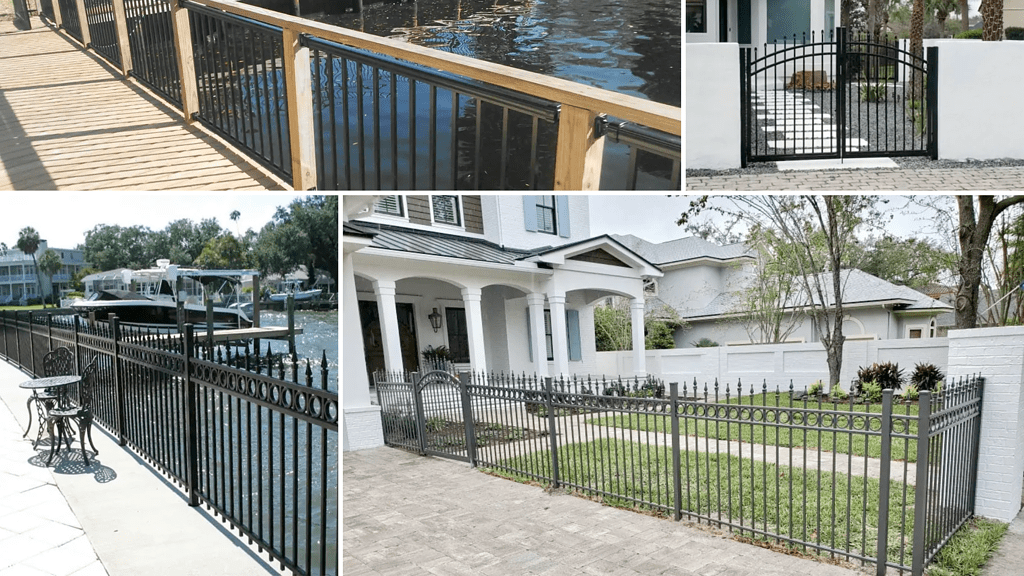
x=361 y=428
x=998 y=355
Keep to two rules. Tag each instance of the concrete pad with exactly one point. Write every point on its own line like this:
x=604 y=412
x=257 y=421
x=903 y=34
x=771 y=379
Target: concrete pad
x=837 y=164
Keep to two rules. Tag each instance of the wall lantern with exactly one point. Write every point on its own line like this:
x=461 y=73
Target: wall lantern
x=435 y=320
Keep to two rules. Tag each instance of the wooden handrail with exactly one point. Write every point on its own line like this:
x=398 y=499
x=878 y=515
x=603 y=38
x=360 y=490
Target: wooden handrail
x=630 y=108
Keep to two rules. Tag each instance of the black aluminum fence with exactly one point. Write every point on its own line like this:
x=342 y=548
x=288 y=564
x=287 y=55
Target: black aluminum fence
x=261 y=451
x=70 y=20
x=102 y=30
x=151 y=42
x=837 y=95
x=241 y=87
x=886 y=483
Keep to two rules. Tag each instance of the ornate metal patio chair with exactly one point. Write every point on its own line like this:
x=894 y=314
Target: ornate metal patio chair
x=57 y=362
x=60 y=418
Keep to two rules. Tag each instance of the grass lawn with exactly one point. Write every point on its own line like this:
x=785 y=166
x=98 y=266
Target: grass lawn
x=969 y=549
x=839 y=440
x=24 y=308
x=807 y=505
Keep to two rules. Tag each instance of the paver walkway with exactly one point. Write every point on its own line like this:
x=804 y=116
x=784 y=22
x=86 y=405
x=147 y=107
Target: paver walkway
x=69 y=121
x=1009 y=558
x=925 y=179
x=408 y=514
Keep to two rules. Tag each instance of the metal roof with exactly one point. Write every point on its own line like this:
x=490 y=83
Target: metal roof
x=436 y=244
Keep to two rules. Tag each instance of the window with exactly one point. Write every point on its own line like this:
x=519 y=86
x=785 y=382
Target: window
x=458 y=334
x=546 y=221
x=389 y=205
x=696 y=16
x=549 y=346
x=572 y=335
x=446 y=210
x=915 y=333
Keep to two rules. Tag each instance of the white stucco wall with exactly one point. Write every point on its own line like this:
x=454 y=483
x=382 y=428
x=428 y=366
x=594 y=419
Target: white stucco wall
x=504 y=222
x=979 y=111
x=712 y=106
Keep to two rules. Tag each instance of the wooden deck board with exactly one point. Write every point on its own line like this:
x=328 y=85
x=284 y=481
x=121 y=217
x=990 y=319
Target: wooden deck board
x=68 y=121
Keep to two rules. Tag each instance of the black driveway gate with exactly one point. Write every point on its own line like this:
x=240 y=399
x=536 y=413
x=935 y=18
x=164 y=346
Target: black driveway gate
x=837 y=97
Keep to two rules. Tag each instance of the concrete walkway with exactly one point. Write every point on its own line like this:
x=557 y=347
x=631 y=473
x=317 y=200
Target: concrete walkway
x=407 y=514
x=58 y=520
x=925 y=179
x=1009 y=558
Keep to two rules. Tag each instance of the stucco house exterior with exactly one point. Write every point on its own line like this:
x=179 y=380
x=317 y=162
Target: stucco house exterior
x=757 y=22
x=505 y=283
x=20 y=280
x=703 y=283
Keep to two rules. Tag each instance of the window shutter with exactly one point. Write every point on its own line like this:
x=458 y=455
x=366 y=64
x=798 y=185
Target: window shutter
x=530 y=212
x=572 y=325
x=529 y=335
x=562 y=213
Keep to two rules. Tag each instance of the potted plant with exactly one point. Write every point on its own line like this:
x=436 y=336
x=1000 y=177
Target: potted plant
x=435 y=358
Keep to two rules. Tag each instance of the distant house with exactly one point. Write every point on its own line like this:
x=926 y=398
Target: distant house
x=758 y=22
x=704 y=283
x=1013 y=13
x=502 y=283
x=20 y=280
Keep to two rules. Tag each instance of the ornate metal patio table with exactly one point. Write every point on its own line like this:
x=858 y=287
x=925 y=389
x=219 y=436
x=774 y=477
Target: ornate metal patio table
x=57 y=385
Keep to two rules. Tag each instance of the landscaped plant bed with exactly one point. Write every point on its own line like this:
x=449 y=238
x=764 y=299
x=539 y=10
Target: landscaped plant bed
x=443 y=433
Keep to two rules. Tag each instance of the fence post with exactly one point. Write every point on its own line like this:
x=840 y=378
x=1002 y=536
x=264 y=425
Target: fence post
x=49 y=331
x=58 y=18
x=191 y=421
x=883 y=484
x=17 y=340
x=579 y=150
x=924 y=414
x=552 y=430
x=186 y=63
x=932 y=99
x=677 y=507
x=78 y=348
x=83 y=23
x=115 y=324
x=421 y=419
x=298 y=87
x=465 y=379
x=121 y=27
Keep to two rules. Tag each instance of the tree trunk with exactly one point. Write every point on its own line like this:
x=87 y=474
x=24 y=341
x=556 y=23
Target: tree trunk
x=965 y=19
x=973 y=235
x=834 y=344
x=916 y=91
x=992 y=20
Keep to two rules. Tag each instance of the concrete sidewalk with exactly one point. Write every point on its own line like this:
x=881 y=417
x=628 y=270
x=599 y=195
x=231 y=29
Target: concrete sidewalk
x=117 y=509
x=408 y=514
x=924 y=179
x=1009 y=557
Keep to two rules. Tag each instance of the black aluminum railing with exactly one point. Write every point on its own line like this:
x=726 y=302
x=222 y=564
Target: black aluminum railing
x=260 y=451
x=70 y=20
x=654 y=157
x=886 y=483
x=151 y=42
x=102 y=30
x=241 y=84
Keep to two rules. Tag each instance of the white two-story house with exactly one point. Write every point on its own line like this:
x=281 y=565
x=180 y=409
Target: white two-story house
x=504 y=283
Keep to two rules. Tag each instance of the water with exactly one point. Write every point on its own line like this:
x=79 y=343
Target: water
x=319 y=334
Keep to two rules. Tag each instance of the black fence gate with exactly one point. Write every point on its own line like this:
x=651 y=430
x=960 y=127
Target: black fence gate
x=837 y=97
x=22 y=19
x=428 y=412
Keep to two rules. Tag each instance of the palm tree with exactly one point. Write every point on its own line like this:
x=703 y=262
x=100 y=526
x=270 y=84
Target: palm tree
x=28 y=242
x=235 y=215
x=992 y=20
x=50 y=264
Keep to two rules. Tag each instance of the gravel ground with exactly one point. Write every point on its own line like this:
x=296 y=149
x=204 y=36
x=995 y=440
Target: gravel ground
x=905 y=163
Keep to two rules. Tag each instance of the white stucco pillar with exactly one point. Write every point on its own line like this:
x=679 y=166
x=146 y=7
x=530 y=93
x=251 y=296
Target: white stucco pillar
x=537 y=336
x=475 y=326
x=636 y=309
x=385 y=291
x=559 y=337
x=360 y=420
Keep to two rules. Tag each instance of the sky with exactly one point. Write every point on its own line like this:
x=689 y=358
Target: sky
x=62 y=219
x=653 y=218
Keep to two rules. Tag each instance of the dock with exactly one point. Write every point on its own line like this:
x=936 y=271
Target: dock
x=70 y=121
x=268 y=333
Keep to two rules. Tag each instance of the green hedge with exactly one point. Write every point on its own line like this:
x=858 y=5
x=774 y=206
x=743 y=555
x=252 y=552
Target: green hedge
x=1015 y=33
x=970 y=34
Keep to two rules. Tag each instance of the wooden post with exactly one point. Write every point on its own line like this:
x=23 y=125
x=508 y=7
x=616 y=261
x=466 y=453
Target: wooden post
x=58 y=18
x=579 y=151
x=121 y=25
x=186 y=64
x=83 y=22
x=298 y=87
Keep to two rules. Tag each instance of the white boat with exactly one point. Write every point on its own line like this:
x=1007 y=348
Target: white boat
x=148 y=298
x=294 y=287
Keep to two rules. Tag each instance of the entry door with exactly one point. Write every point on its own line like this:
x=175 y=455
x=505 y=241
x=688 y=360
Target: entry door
x=373 y=343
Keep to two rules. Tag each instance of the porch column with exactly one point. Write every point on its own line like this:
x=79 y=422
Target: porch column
x=385 y=291
x=636 y=308
x=559 y=338
x=537 y=337
x=475 y=326
x=361 y=424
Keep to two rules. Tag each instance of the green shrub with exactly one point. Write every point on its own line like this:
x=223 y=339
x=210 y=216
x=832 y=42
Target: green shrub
x=815 y=388
x=839 y=394
x=885 y=374
x=871 y=391
x=926 y=376
x=704 y=343
x=970 y=35
x=873 y=92
x=911 y=393
x=1015 y=33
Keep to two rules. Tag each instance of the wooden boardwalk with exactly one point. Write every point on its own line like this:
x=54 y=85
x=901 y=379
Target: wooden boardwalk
x=69 y=121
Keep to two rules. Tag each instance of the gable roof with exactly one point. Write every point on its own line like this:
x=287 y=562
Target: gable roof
x=860 y=289
x=682 y=250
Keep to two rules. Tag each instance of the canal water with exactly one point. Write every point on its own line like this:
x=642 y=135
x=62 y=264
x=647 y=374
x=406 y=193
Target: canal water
x=319 y=335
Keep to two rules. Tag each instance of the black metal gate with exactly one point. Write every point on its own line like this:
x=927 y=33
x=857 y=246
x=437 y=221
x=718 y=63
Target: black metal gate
x=837 y=97
x=22 y=20
x=426 y=412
